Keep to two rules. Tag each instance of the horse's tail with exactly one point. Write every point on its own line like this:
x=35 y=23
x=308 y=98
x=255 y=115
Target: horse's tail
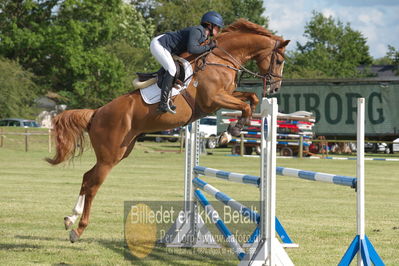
x=68 y=129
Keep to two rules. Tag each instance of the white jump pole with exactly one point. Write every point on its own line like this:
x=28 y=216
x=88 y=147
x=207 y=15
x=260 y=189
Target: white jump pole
x=268 y=251
x=270 y=185
x=360 y=175
x=189 y=229
x=361 y=245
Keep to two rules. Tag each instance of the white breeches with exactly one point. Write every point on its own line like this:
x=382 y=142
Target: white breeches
x=163 y=56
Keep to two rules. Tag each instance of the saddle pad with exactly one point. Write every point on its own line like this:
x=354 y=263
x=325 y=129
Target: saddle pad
x=152 y=94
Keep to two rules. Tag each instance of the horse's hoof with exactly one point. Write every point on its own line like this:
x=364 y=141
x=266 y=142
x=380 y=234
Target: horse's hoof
x=73 y=236
x=235 y=131
x=224 y=138
x=68 y=223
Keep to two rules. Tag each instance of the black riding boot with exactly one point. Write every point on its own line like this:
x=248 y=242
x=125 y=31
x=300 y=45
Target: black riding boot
x=166 y=86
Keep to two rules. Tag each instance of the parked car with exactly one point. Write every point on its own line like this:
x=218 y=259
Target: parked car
x=376 y=147
x=175 y=132
x=18 y=122
x=208 y=126
x=395 y=146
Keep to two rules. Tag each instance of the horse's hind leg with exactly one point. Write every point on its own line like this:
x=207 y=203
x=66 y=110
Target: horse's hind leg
x=76 y=212
x=92 y=181
x=78 y=209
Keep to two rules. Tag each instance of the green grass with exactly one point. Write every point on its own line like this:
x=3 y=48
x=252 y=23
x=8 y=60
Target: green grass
x=319 y=217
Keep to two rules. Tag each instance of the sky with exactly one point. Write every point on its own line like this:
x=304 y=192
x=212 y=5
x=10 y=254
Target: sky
x=377 y=20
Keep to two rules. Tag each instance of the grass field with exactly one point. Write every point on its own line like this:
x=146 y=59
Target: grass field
x=319 y=217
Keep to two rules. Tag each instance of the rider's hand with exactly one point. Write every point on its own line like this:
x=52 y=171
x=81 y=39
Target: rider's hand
x=212 y=44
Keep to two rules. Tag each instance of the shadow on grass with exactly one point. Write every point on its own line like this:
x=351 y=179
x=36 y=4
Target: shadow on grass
x=42 y=238
x=164 y=255
x=169 y=256
x=58 y=241
x=18 y=247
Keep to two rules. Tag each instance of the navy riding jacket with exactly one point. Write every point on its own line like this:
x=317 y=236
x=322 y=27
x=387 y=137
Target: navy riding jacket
x=185 y=40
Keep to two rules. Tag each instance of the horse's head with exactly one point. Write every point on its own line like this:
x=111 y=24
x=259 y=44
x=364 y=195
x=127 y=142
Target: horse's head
x=252 y=41
x=271 y=64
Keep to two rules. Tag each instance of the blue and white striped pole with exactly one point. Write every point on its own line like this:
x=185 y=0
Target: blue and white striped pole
x=317 y=176
x=243 y=210
x=283 y=171
x=225 y=199
x=215 y=218
x=354 y=158
x=235 y=177
x=282 y=142
x=258 y=133
x=245 y=140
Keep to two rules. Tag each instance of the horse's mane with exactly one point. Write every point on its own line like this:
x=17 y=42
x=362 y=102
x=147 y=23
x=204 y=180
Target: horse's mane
x=243 y=25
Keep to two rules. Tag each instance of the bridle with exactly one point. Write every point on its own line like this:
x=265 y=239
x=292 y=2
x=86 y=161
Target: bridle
x=268 y=79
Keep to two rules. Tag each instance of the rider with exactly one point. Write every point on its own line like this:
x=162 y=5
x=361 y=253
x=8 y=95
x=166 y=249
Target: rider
x=185 y=40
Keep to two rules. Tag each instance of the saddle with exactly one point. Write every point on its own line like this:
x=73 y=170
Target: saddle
x=150 y=91
x=144 y=80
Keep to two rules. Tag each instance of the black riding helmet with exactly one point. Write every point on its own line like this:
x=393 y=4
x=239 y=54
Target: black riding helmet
x=212 y=17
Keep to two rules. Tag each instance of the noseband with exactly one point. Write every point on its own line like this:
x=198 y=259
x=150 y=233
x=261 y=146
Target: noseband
x=268 y=79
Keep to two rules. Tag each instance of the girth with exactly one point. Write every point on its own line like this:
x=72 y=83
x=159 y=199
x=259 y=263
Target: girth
x=196 y=109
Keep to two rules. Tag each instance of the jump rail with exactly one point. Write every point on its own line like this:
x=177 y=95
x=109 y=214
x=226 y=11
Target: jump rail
x=235 y=177
x=244 y=211
x=299 y=116
x=215 y=218
x=354 y=159
x=225 y=199
x=282 y=171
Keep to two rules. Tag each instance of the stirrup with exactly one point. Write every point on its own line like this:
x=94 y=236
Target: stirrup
x=170 y=107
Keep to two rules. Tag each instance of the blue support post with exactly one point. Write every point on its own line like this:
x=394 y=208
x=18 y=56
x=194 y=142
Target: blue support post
x=365 y=249
x=285 y=238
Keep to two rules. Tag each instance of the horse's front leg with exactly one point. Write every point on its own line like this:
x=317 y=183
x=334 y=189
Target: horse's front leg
x=229 y=101
x=250 y=97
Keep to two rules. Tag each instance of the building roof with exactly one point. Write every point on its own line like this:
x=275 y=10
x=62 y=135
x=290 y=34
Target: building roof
x=381 y=71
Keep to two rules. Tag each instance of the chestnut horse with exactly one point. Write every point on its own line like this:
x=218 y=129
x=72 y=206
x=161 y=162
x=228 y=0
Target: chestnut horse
x=114 y=127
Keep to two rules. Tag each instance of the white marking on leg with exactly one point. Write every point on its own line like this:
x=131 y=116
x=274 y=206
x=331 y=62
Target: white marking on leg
x=78 y=209
x=224 y=138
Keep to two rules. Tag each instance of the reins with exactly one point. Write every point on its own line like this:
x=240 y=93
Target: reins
x=239 y=68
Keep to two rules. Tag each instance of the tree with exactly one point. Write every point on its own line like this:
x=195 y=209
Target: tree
x=171 y=15
x=393 y=55
x=86 y=33
x=67 y=44
x=333 y=50
x=391 y=58
x=77 y=64
x=21 y=30
x=17 y=90
x=251 y=10
x=132 y=45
